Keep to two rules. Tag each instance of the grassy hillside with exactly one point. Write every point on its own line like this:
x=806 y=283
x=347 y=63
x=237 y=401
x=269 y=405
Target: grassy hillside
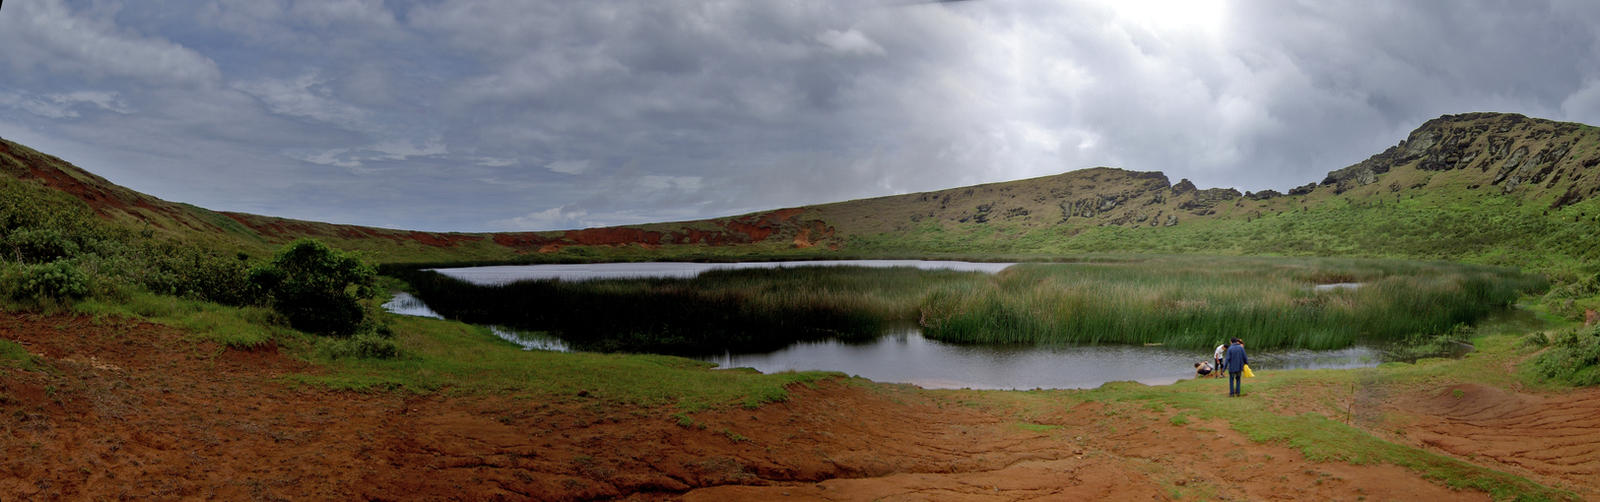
x=1484 y=188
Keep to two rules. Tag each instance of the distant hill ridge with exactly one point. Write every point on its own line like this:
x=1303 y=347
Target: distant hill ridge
x=1455 y=164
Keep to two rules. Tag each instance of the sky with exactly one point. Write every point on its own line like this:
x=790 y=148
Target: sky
x=505 y=115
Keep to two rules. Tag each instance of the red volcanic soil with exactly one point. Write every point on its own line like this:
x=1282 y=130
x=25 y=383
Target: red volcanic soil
x=1554 y=439
x=750 y=229
x=279 y=228
x=124 y=409
x=53 y=173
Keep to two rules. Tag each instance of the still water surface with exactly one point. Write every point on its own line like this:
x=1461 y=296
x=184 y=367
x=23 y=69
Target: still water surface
x=904 y=356
x=578 y=272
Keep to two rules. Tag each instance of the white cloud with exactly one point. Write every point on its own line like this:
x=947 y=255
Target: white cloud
x=681 y=109
x=48 y=35
x=568 y=166
x=67 y=105
x=304 y=96
x=402 y=150
x=395 y=150
x=654 y=183
x=552 y=218
x=338 y=157
x=327 y=12
x=849 y=41
x=1583 y=105
x=105 y=100
x=494 y=161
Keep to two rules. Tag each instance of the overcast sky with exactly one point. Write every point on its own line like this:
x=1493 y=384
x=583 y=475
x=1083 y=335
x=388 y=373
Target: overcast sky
x=532 y=115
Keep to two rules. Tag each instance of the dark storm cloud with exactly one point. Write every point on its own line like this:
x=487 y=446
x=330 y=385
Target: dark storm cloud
x=497 y=115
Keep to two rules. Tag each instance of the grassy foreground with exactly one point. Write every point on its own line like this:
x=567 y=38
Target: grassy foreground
x=457 y=358
x=1308 y=410
x=454 y=358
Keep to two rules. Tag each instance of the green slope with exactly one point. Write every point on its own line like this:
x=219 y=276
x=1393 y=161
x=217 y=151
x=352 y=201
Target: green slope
x=1483 y=187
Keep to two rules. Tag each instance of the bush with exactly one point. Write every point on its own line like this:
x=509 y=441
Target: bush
x=52 y=282
x=38 y=245
x=1573 y=358
x=366 y=345
x=186 y=270
x=318 y=289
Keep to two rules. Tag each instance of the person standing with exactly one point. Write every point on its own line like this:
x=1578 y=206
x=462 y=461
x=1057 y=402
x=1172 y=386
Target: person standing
x=1235 y=363
x=1216 y=358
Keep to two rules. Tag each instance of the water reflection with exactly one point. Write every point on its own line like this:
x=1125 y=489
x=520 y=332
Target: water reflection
x=586 y=271
x=531 y=340
x=904 y=356
x=907 y=357
x=405 y=304
x=1324 y=288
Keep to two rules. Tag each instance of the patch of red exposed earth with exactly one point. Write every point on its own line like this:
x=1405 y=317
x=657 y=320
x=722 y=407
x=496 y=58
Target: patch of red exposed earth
x=1113 y=452
x=285 y=229
x=1552 y=438
x=128 y=409
x=750 y=229
x=110 y=200
x=60 y=175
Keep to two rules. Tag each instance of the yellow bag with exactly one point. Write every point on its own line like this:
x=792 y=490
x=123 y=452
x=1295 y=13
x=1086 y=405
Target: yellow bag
x=1248 y=373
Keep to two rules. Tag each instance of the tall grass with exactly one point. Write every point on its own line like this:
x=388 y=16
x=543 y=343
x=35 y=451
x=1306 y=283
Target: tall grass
x=741 y=310
x=1190 y=302
x=1198 y=302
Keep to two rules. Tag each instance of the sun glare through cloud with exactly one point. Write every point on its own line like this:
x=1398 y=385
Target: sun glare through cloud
x=310 y=109
x=1205 y=16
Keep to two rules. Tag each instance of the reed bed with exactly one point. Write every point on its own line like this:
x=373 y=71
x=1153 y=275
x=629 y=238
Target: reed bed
x=1199 y=302
x=1189 y=302
x=739 y=310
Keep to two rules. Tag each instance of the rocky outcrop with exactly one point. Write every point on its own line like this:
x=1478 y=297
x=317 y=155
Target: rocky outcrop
x=1184 y=186
x=1514 y=152
x=1205 y=201
x=1263 y=195
x=1531 y=169
x=1136 y=188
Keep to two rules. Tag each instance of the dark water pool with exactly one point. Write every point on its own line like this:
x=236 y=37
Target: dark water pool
x=904 y=356
x=577 y=272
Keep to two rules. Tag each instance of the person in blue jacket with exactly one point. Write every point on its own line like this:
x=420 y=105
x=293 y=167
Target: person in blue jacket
x=1235 y=364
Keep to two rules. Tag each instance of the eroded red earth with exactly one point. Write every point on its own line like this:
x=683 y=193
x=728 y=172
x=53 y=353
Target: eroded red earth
x=124 y=409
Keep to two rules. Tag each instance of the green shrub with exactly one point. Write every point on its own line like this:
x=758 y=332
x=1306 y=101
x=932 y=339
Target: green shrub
x=1538 y=339
x=362 y=346
x=318 y=289
x=54 y=282
x=38 y=245
x=187 y=270
x=1573 y=358
x=1582 y=288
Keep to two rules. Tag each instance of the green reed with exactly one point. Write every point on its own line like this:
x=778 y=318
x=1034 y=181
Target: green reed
x=742 y=310
x=1191 y=302
x=1197 y=302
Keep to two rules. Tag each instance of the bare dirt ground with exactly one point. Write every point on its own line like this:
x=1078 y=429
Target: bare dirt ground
x=122 y=409
x=1553 y=439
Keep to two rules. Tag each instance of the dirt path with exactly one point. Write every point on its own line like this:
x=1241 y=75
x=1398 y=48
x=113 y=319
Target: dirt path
x=133 y=410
